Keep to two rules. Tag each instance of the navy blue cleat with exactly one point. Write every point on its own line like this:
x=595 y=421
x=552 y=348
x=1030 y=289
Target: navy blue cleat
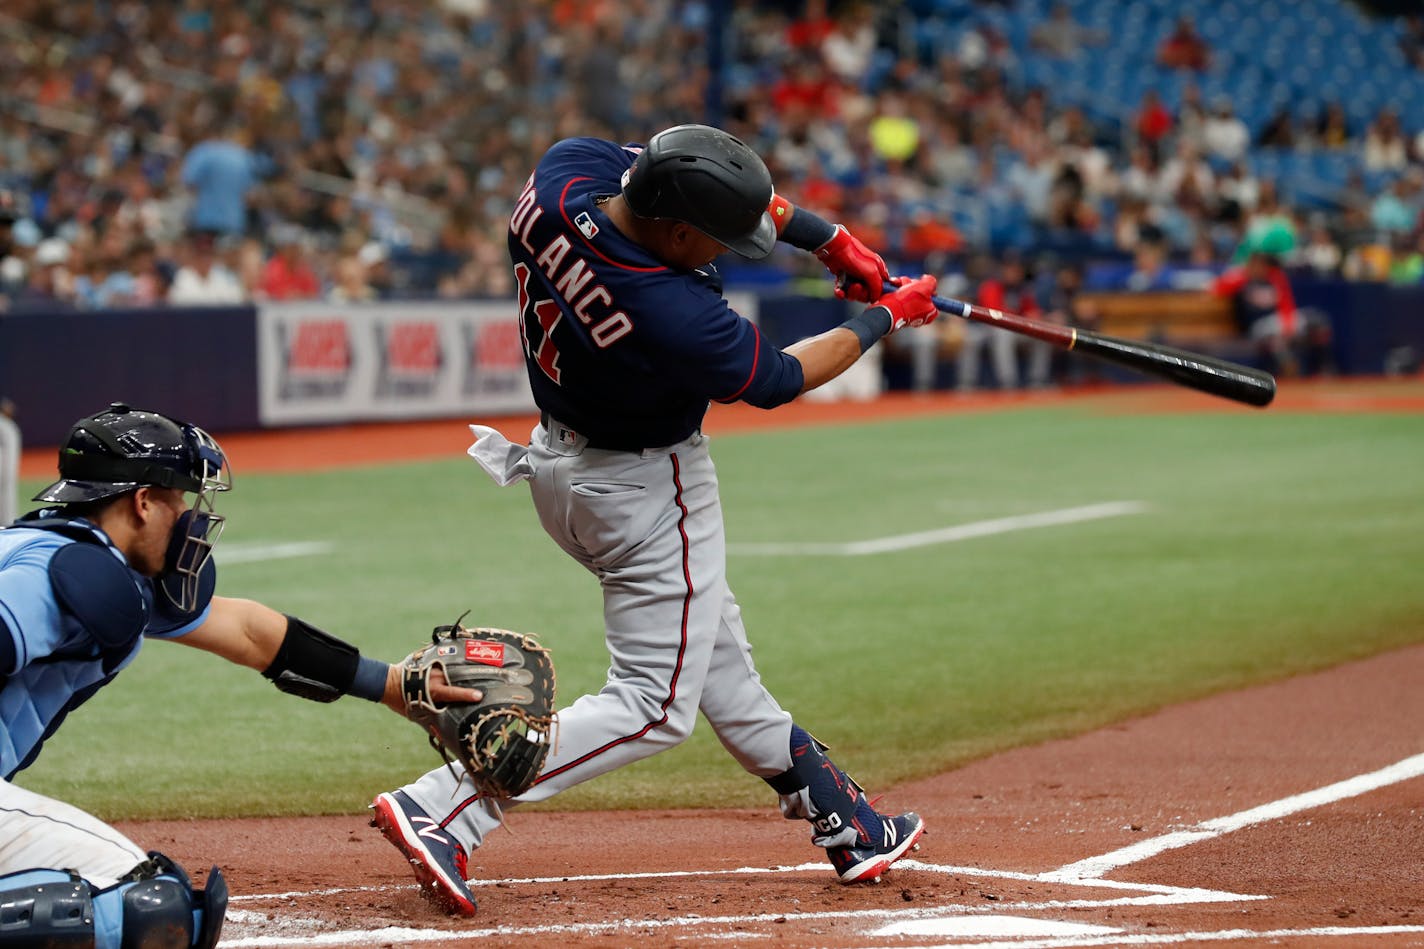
x=877 y=846
x=438 y=859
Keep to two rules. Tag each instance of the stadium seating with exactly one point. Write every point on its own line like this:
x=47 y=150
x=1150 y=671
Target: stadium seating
x=1302 y=54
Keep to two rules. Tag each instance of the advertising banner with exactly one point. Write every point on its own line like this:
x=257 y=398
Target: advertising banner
x=326 y=362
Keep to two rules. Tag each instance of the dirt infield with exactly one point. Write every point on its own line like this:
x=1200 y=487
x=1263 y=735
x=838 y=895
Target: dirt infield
x=1230 y=848
x=1290 y=814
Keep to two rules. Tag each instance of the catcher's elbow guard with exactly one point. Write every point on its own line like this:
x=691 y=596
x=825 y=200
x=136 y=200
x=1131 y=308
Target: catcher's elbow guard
x=315 y=665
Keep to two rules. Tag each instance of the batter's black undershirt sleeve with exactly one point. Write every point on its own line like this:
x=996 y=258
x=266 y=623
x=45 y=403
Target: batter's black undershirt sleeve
x=807 y=231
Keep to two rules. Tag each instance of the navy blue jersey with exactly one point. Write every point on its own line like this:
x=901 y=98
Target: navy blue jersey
x=618 y=346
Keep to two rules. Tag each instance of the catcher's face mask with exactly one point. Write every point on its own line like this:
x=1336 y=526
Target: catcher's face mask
x=198 y=528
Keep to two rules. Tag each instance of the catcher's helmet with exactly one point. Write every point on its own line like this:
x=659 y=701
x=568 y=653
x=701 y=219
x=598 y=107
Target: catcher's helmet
x=120 y=449
x=706 y=178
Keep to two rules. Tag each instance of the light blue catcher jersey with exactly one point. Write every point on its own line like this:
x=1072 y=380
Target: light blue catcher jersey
x=59 y=663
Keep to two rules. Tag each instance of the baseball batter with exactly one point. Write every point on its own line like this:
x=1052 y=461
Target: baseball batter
x=627 y=337
x=118 y=556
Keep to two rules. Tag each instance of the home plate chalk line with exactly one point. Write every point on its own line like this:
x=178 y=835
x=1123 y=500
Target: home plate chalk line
x=953 y=921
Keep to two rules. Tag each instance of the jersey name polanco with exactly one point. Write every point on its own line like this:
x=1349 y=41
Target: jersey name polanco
x=619 y=347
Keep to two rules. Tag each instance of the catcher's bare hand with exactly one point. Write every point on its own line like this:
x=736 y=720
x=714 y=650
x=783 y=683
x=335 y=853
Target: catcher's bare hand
x=441 y=691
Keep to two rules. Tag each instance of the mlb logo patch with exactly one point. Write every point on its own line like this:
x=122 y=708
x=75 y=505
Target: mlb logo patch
x=586 y=225
x=444 y=650
x=567 y=436
x=486 y=653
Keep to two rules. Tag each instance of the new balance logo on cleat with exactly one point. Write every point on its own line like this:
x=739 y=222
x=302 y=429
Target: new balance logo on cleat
x=431 y=830
x=865 y=860
x=438 y=860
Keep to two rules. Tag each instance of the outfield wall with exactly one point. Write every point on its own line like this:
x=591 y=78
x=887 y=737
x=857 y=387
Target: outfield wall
x=198 y=364
x=243 y=368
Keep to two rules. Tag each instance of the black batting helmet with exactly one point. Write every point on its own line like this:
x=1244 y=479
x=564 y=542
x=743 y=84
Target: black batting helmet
x=120 y=449
x=708 y=179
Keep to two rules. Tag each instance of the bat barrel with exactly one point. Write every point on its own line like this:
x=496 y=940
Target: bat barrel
x=1204 y=373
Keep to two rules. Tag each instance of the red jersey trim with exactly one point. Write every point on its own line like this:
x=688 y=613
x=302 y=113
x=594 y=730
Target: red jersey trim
x=597 y=253
x=756 y=358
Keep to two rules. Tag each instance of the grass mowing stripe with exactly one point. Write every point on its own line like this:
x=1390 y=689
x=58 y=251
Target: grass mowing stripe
x=1275 y=544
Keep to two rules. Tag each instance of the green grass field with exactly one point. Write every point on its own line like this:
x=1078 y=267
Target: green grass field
x=1272 y=544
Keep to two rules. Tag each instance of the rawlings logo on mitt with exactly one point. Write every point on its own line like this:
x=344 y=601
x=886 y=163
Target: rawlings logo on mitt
x=503 y=740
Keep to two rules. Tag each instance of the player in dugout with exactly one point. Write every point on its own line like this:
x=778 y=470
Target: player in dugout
x=119 y=554
x=627 y=339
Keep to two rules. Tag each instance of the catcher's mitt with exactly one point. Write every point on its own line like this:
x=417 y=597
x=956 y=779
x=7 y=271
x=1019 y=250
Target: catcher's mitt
x=503 y=740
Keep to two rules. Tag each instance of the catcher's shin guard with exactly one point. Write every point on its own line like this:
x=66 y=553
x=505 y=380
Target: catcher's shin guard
x=47 y=908
x=153 y=907
x=861 y=842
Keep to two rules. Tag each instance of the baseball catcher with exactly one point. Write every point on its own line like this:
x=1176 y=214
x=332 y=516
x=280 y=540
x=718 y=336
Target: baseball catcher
x=501 y=740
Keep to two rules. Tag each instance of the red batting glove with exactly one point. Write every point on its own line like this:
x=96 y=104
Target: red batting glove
x=911 y=303
x=860 y=273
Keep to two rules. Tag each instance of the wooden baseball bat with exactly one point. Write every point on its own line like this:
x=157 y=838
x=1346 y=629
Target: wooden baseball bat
x=1204 y=373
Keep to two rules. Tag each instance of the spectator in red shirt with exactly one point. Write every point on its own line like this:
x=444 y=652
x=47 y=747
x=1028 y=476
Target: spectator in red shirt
x=808 y=31
x=928 y=234
x=1008 y=291
x=1184 y=48
x=288 y=275
x=1153 y=122
x=1265 y=311
x=806 y=87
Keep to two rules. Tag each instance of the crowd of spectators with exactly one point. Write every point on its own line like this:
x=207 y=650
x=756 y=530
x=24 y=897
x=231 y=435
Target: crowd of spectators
x=214 y=151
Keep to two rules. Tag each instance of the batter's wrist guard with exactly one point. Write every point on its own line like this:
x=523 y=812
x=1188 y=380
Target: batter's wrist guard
x=806 y=230
x=870 y=326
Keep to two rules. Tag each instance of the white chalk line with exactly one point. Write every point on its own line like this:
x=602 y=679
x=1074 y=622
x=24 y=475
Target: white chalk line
x=1084 y=873
x=1177 y=893
x=1099 y=866
x=1166 y=939
x=1156 y=895
x=235 y=553
x=368 y=936
x=945 y=535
